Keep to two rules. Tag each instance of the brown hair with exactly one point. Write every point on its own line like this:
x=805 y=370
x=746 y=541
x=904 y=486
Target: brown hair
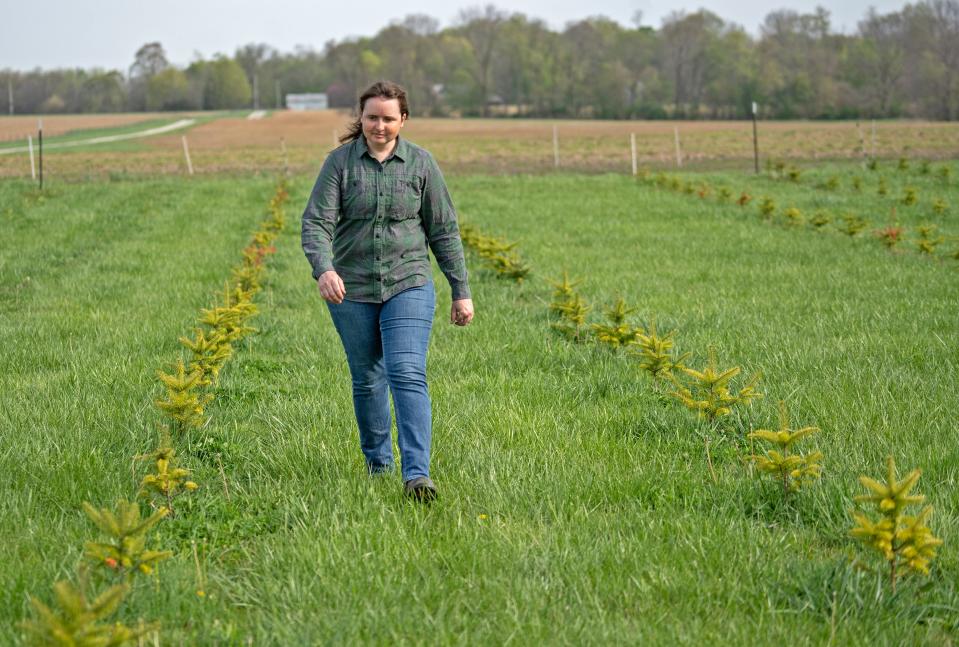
x=382 y=90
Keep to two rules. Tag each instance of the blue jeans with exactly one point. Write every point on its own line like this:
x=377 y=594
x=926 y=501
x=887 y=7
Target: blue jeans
x=386 y=345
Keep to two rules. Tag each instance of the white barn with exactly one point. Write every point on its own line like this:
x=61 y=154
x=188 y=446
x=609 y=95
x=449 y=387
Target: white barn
x=314 y=101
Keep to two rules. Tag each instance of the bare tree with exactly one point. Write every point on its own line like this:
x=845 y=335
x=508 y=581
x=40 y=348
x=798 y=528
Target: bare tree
x=882 y=41
x=420 y=24
x=481 y=27
x=686 y=40
x=945 y=44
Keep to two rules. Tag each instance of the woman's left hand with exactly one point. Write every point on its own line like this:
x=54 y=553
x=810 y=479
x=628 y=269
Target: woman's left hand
x=462 y=312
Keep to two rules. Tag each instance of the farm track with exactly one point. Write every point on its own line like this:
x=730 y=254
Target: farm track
x=105 y=139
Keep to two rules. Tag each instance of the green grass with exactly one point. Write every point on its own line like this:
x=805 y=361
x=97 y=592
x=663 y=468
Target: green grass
x=813 y=193
x=600 y=522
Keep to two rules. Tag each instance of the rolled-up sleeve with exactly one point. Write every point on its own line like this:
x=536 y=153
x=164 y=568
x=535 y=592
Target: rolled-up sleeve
x=319 y=218
x=442 y=231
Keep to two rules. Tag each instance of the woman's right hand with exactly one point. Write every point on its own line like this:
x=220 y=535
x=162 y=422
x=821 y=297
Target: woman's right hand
x=331 y=286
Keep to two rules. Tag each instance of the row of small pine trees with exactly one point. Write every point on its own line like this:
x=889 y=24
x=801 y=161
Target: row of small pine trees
x=924 y=238
x=497 y=253
x=904 y=541
x=779 y=170
x=112 y=566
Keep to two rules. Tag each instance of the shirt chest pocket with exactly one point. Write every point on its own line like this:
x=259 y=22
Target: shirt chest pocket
x=406 y=197
x=355 y=201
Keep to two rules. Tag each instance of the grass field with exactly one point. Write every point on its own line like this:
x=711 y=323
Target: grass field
x=17 y=127
x=576 y=502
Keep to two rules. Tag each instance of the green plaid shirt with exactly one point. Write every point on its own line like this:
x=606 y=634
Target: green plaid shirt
x=372 y=222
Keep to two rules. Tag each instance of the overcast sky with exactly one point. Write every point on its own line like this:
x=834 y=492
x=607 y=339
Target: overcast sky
x=107 y=33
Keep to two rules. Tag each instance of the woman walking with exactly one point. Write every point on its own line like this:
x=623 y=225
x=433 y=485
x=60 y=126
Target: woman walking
x=378 y=206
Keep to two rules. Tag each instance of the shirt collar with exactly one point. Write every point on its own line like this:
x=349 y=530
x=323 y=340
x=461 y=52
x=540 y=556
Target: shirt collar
x=400 y=152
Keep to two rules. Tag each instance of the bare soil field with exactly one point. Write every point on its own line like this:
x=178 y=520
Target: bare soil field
x=300 y=141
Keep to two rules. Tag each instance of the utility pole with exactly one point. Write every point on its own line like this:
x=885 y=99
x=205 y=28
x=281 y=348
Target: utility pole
x=10 y=91
x=256 y=93
x=276 y=85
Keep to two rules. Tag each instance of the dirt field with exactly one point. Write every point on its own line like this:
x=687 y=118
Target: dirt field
x=495 y=145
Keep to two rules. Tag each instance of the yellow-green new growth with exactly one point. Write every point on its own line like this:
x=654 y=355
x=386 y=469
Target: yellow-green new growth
x=909 y=196
x=617 y=333
x=903 y=540
x=127 y=554
x=169 y=481
x=939 y=206
x=563 y=292
x=794 y=471
x=209 y=354
x=709 y=392
x=928 y=241
x=182 y=402
x=247 y=276
x=509 y=266
x=655 y=353
x=767 y=207
x=574 y=314
x=853 y=224
x=77 y=622
x=228 y=320
x=820 y=219
x=793 y=216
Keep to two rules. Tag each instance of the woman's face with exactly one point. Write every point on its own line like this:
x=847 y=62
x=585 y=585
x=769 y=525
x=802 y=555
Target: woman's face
x=381 y=121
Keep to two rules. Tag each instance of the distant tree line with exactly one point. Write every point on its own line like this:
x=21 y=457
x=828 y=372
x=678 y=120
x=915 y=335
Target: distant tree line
x=491 y=62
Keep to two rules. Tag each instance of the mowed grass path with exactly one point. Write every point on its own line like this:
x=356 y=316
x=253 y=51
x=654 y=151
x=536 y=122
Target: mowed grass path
x=576 y=503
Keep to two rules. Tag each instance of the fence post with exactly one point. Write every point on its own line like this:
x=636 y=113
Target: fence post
x=679 y=154
x=286 y=159
x=186 y=154
x=755 y=138
x=862 y=143
x=632 y=150
x=33 y=168
x=555 y=146
x=40 y=145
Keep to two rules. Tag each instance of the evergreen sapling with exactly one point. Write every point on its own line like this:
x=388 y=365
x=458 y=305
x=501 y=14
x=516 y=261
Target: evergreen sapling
x=904 y=541
x=792 y=470
x=78 y=623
